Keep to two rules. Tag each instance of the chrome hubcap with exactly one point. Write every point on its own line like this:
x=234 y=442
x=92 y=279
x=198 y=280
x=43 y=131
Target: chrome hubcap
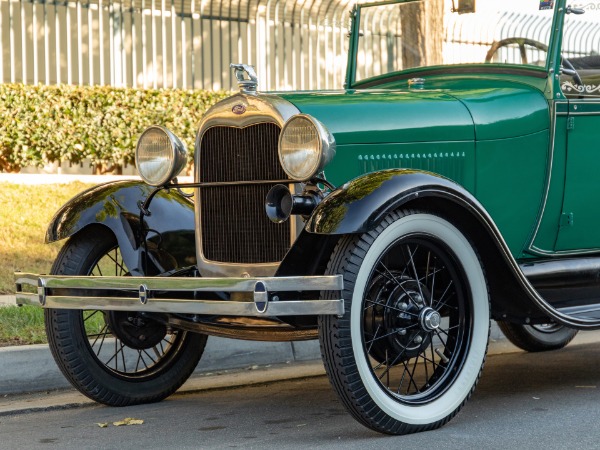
x=430 y=319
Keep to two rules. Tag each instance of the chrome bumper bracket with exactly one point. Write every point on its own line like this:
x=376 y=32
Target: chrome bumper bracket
x=142 y=294
x=261 y=297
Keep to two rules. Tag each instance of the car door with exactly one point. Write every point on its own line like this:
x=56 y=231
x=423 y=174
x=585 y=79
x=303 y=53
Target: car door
x=580 y=82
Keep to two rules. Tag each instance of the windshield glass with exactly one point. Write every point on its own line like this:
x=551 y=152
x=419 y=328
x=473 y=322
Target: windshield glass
x=401 y=36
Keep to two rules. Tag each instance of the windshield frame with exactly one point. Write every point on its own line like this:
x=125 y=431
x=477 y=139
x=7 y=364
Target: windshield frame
x=552 y=61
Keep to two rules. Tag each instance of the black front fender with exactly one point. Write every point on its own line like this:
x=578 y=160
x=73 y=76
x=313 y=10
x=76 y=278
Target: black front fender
x=168 y=231
x=359 y=205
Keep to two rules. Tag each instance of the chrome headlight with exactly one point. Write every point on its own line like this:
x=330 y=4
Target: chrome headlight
x=305 y=147
x=159 y=156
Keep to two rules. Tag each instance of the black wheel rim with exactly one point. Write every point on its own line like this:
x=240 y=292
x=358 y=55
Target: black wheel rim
x=128 y=345
x=416 y=319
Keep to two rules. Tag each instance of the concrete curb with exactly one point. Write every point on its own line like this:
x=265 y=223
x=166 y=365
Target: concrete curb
x=66 y=399
x=31 y=368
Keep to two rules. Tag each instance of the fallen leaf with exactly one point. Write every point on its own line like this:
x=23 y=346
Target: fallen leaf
x=102 y=425
x=128 y=421
x=136 y=422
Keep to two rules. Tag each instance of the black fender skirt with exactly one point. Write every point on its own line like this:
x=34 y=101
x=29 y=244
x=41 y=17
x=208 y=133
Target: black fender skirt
x=359 y=205
x=168 y=231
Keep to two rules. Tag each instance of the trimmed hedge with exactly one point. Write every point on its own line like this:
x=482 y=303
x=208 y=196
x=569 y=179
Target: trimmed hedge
x=45 y=124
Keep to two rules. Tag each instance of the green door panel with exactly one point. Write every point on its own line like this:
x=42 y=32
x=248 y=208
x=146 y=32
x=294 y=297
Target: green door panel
x=580 y=219
x=510 y=184
x=454 y=160
x=544 y=239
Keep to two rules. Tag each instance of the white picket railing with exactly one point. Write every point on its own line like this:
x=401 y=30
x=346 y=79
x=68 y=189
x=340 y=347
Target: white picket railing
x=294 y=44
x=174 y=43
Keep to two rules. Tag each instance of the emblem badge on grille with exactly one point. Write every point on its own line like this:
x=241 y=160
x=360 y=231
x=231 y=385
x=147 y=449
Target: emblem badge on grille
x=238 y=109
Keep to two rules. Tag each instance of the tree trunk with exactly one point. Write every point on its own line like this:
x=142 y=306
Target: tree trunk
x=422 y=33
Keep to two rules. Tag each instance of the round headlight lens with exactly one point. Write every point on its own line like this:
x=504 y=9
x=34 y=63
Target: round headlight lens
x=305 y=147
x=159 y=156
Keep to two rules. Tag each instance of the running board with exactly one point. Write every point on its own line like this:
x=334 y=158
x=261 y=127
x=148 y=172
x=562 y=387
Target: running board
x=571 y=286
x=591 y=312
x=566 y=280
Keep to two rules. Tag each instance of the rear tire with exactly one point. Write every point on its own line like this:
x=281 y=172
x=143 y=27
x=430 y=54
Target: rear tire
x=115 y=358
x=537 y=338
x=409 y=350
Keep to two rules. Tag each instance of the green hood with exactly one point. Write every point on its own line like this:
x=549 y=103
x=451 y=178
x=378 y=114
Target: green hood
x=375 y=117
x=456 y=110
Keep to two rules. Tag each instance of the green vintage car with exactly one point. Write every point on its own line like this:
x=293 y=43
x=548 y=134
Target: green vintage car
x=449 y=183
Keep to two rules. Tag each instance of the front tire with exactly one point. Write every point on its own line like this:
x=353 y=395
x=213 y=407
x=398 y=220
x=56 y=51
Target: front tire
x=115 y=358
x=409 y=350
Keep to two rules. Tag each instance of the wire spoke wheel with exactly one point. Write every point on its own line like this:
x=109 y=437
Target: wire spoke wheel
x=115 y=357
x=127 y=344
x=409 y=350
x=414 y=317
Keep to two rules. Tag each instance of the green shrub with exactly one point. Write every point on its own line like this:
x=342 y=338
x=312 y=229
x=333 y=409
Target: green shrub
x=45 y=124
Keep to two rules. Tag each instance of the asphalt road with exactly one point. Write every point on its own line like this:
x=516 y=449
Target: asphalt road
x=533 y=401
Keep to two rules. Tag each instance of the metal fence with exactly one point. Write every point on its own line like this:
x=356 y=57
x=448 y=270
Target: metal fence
x=294 y=44
x=173 y=43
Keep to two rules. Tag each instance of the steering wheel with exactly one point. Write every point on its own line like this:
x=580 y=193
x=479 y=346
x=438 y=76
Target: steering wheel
x=521 y=42
x=568 y=68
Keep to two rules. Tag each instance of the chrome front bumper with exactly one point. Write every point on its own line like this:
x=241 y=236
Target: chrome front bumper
x=153 y=294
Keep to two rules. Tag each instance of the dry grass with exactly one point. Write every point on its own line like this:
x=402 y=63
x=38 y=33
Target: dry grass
x=25 y=212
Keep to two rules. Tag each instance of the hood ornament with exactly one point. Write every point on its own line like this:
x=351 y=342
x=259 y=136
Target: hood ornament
x=247 y=84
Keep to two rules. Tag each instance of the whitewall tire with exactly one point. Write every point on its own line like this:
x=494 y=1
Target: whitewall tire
x=408 y=352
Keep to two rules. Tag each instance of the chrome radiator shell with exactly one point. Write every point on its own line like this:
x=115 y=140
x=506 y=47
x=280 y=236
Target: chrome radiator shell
x=261 y=114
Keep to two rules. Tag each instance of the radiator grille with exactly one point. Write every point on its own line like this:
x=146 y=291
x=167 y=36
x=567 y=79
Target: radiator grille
x=235 y=228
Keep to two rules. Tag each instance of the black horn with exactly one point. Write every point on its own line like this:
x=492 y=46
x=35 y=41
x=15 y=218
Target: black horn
x=280 y=204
